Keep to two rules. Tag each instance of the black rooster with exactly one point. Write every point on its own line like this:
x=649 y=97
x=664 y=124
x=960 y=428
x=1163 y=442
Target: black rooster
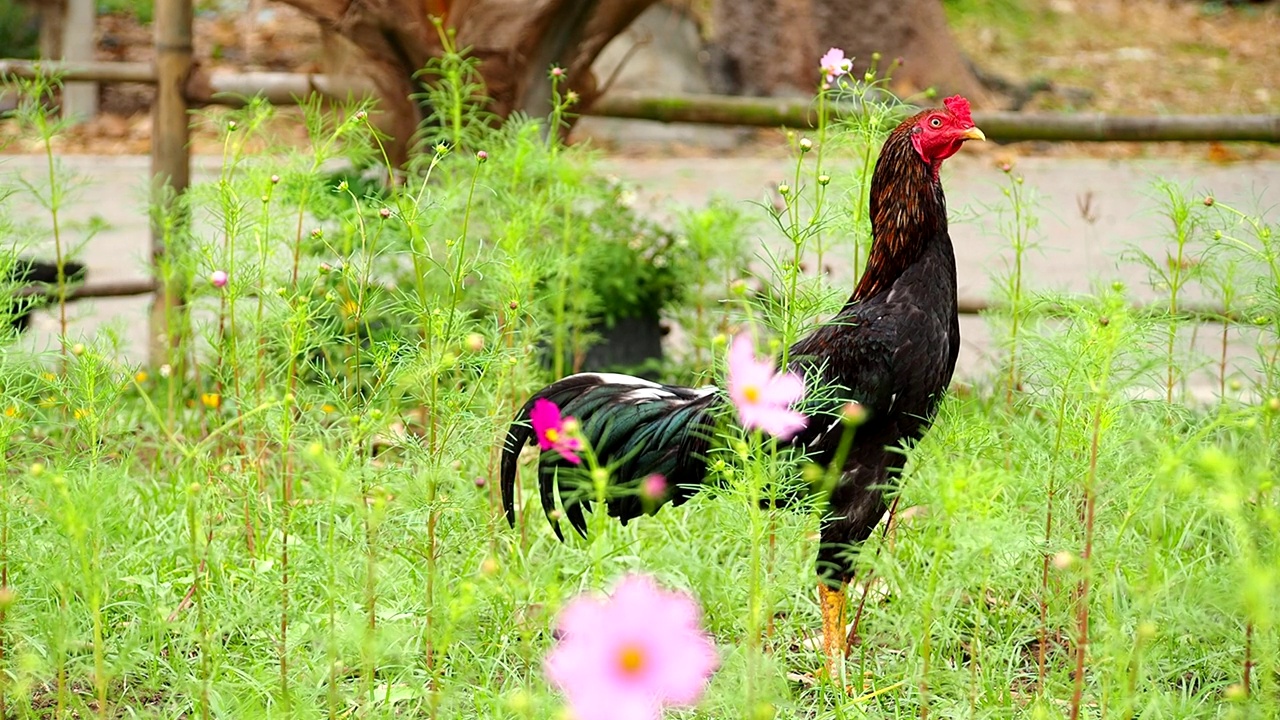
x=892 y=348
x=23 y=272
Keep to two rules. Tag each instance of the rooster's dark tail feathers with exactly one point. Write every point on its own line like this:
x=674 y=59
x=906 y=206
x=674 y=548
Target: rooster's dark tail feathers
x=635 y=428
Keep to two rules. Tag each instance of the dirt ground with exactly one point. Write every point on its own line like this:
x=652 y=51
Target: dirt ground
x=1116 y=56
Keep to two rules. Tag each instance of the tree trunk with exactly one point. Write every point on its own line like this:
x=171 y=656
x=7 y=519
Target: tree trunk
x=772 y=47
x=516 y=42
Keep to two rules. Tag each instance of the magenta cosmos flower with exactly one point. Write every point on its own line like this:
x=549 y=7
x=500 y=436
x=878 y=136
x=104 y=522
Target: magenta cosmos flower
x=554 y=432
x=628 y=656
x=834 y=64
x=763 y=398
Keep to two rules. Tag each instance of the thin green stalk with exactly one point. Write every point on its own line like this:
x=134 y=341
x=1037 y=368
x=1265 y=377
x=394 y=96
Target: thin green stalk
x=197 y=595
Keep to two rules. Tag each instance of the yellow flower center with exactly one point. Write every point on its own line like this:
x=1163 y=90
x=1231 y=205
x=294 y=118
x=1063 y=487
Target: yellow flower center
x=631 y=660
x=553 y=435
x=751 y=393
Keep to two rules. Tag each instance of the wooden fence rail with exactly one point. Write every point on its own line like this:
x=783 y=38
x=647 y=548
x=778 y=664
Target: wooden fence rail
x=228 y=87
x=202 y=86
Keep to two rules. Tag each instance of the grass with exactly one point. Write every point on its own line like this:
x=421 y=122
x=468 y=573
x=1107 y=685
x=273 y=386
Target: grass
x=293 y=516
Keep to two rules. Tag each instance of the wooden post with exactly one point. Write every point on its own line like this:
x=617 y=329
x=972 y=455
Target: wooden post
x=79 y=99
x=53 y=16
x=170 y=167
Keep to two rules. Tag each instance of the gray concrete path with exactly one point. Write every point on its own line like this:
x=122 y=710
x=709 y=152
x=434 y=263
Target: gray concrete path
x=1075 y=252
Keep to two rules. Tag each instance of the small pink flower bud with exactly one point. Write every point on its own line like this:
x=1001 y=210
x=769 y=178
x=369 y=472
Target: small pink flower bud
x=219 y=278
x=482 y=156
x=384 y=213
x=854 y=414
x=654 y=487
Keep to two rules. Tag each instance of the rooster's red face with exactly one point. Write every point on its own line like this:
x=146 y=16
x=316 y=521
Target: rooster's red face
x=938 y=134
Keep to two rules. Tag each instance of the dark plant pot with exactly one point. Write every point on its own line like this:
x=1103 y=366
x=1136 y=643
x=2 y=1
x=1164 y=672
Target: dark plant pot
x=632 y=344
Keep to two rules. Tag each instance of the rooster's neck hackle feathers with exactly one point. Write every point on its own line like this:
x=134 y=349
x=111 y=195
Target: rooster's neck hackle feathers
x=908 y=211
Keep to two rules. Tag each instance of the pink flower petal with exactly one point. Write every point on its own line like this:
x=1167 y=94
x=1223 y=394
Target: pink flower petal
x=783 y=424
x=568 y=455
x=771 y=393
x=783 y=390
x=545 y=416
x=833 y=64
x=744 y=370
x=778 y=422
x=676 y=656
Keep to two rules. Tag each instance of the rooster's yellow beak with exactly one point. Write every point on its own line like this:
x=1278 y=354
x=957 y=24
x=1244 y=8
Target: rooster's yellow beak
x=973 y=133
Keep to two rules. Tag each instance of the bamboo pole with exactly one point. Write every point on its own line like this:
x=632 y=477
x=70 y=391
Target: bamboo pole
x=53 y=16
x=224 y=87
x=203 y=87
x=135 y=72
x=110 y=289
x=170 y=165
x=227 y=87
x=80 y=98
x=965 y=305
x=1006 y=126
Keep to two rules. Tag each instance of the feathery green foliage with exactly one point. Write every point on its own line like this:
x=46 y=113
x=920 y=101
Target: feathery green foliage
x=291 y=517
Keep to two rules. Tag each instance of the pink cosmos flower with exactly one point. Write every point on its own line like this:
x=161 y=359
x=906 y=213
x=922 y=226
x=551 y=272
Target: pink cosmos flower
x=834 y=64
x=219 y=278
x=763 y=398
x=627 y=656
x=554 y=432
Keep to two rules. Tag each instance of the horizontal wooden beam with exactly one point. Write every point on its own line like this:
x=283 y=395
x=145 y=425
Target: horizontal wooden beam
x=132 y=72
x=207 y=87
x=1004 y=126
x=228 y=87
x=967 y=305
x=117 y=288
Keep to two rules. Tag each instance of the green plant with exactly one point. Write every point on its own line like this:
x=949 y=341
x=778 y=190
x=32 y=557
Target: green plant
x=19 y=31
x=635 y=269
x=142 y=10
x=292 y=515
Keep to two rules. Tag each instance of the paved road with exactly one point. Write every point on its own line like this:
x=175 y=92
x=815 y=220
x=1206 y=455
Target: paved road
x=1075 y=253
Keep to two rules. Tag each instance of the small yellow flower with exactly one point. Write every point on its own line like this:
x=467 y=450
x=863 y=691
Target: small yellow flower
x=11 y=411
x=49 y=376
x=351 y=307
x=140 y=376
x=328 y=408
x=79 y=414
x=211 y=400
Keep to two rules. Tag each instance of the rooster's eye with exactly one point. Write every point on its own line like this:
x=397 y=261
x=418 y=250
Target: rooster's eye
x=936 y=122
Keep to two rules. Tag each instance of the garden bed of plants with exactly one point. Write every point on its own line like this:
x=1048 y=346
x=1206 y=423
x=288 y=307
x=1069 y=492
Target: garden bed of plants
x=295 y=514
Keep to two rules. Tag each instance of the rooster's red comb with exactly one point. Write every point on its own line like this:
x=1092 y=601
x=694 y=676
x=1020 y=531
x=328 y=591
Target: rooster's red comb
x=958 y=107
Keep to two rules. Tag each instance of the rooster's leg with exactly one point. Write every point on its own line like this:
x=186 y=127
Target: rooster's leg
x=832 y=601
